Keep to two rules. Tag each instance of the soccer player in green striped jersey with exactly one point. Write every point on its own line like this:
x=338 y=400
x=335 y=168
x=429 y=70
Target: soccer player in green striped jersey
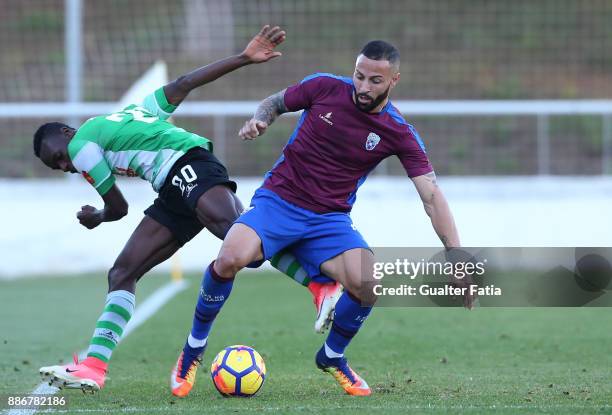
x=194 y=189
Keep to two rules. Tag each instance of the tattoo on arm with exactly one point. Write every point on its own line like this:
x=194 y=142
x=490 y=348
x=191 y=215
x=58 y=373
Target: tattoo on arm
x=271 y=107
x=432 y=177
x=431 y=192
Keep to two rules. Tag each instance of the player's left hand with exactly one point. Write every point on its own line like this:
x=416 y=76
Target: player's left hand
x=89 y=217
x=465 y=283
x=261 y=47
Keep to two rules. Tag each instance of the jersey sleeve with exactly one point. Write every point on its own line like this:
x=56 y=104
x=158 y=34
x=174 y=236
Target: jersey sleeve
x=412 y=154
x=303 y=95
x=157 y=104
x=88 y=159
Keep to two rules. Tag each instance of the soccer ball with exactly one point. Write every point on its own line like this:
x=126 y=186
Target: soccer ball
x=238 y=371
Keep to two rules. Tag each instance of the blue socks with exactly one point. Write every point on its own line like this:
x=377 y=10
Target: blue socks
x=348 y=318
x=213 y=294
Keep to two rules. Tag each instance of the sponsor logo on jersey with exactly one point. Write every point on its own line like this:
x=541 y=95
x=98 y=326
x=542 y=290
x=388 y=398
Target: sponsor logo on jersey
x=87 y=177
x=327 y=118
x=129 y=172
x=372 y=141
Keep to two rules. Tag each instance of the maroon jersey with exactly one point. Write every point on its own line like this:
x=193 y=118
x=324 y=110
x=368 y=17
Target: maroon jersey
x=335 y=146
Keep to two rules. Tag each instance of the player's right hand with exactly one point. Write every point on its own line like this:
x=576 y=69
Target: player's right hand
x=89 y=217
x=252 y=129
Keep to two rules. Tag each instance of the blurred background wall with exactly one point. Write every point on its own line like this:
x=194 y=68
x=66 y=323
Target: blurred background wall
x=451 y=50
x=512 y=99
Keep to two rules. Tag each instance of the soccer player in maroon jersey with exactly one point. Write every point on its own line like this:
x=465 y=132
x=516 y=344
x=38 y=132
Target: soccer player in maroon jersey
x=348 y=127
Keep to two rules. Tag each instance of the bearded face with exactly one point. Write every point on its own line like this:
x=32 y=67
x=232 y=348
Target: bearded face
x=373 y=80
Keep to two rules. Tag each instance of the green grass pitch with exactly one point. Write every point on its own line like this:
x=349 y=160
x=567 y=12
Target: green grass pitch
x=417 y=360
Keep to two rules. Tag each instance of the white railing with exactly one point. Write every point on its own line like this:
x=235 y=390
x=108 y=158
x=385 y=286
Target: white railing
x=244 y=108
x=220 y=110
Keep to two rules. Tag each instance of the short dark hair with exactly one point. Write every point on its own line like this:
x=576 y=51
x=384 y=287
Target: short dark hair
x=44 y=131
x=380 y=50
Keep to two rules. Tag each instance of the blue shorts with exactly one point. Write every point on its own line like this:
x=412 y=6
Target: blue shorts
x=312 y=237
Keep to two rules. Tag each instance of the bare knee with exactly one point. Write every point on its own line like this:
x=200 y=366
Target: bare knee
x=353 y=269
x=241 y=247
x=361 y=290
x=230 y=261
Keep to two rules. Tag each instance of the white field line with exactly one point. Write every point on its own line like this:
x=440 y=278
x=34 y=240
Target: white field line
x=143 y=312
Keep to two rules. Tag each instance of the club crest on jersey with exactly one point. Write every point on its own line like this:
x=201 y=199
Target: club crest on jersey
x=372 y=141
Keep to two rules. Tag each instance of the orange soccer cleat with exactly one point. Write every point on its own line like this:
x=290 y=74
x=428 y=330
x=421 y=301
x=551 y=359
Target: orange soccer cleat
x=346 y=377
x=325 y=296
x=182 y=381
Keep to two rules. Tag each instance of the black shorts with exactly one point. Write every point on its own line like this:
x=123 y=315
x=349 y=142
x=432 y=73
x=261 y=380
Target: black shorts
x=190 y=177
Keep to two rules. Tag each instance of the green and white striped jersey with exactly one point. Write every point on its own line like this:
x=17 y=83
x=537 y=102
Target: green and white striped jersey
x=136 y=141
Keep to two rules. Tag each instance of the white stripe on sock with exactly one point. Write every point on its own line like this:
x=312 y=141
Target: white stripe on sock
x=113 y=318
x=285 y=262
x=103 y=350
x=193 y=342
x=330 y=353
x=122 y=298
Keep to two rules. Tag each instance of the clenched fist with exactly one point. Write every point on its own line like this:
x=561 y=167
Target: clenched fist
x=89 y=217
x=252 y=129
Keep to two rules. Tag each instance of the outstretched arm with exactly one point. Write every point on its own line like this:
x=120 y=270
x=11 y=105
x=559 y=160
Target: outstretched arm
x=442 y=220
x=266 y=113
x=437 y=209
x=260 y=49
